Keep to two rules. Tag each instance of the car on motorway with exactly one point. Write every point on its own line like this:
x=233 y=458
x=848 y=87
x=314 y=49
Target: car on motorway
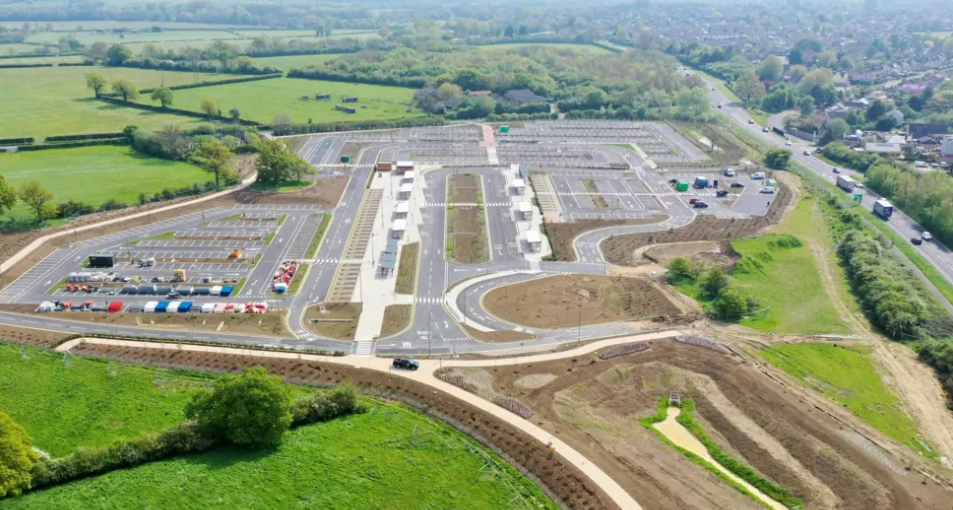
x=836 y=170
x=405 y=364
x=926 y=236
x=713 y=89
x=859 y=185
x=750 y=121
x=807 y=153
x=788 y=143
x=719 y=105
x=765 y=130
x=916 y=241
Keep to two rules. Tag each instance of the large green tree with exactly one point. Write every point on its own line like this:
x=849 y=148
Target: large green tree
x=771 y=68
x=96 y=82
x=126 y=89
x=777 y=158
x=163 y=95
x=8 y=196
x=253 y=409
x=118 y=54
x=215 y=156
x=37 y=198
x=275 y=164
x=749 y=88
x=16 y=457
x=210 y=107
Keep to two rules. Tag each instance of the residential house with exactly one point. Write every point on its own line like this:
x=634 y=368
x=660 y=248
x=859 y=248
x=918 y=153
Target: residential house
x=857 y=103
x=946 y=153
x=523 y=96
x=920 y=130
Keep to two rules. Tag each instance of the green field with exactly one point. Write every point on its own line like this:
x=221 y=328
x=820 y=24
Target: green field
x=848 y=376
x=95 y=174
x=88 y=38
x=86 y=402
x=584 y=48
x=69 y=59
x=65 y=26
x=17 y=49
x=389 y=458
x=295 y=61
x=282 y=34
x=263 y=100
x=55 y=101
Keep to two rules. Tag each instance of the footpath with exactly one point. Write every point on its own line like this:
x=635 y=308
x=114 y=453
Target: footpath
x=425 y=376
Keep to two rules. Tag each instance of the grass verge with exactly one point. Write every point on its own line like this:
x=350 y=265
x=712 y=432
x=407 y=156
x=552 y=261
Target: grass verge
x=165 y=236
x=396 y=319
x=407 y=269
x=338 y=321
x=282 y=219
x=271 y=238
x=239 y=286
x=847 y=375
x=281 y=187
x=299 y=278
x=318 y=236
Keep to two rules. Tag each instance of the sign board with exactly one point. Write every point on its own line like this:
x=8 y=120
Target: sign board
x=858 y=197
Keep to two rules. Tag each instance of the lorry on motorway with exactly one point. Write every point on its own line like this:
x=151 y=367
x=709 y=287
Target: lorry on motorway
x=883 y=208
x=779 y=132
x=846 y=183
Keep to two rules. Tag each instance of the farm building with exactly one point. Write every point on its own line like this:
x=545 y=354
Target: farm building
x=349 y=99
x=322 y=97
x=345 y=109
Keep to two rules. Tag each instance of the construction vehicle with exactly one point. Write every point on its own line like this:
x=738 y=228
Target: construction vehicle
x=235 y=254
x=406 y=364
x=178 y=276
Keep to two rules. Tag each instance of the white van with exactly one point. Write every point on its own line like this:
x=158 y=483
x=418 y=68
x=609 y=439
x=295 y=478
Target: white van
x=758 y=175
x=729 y=172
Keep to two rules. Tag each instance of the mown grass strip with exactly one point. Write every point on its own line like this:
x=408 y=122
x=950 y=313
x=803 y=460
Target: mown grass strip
x=407 y=269
x=299 y=277
x=318 y=237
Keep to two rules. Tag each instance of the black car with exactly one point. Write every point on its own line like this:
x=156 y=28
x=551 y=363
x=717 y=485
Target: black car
x=405 y=364
x=700 y=205
x=721 y=193
x=737 y=185
x=916 y=240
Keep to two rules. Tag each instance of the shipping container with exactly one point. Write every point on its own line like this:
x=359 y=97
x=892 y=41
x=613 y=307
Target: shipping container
x=162 y=307
x=208 y=308
x=115 y=306
x=216 y=290
x=219 y=308
x=150 y=306
x=185 y=307
x=227 y=291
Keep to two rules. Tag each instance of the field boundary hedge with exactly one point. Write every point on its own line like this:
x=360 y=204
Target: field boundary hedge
x=202 y=84
x=176 y=111
x=23 y=66
x=359 y=125
x=73 y=144
x=314 y=74
x=16 y=141
x=91 y=136
x=34 y=55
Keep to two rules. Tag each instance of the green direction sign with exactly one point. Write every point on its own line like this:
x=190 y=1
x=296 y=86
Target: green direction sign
x=858 y=197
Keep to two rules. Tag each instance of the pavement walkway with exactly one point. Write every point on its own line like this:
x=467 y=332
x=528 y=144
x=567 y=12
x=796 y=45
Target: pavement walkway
x=425 y=376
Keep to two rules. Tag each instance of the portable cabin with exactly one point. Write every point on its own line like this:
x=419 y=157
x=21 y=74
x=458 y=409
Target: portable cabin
x=185 y=307
x=524 y=210
x=216 y=290
x=533 y=240
x=219 y=308
x=201 y=291
x=226 y=291
x=404 y=192
x=519 y=186
x=401 y=210
x=150 y=307
x=681 y=185
x=408 y=176
x=130 y=289
x=162 y=307
x=173 y=306
x=208 y=307
x=397 y=231
x=163 y=289
x=404 y=166
x=385 y=167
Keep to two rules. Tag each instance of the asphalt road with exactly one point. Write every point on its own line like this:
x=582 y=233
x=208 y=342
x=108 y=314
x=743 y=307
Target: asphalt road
x=936 y=253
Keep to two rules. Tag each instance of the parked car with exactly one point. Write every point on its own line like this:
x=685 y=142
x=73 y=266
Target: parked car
x=926 y=236
x=767 y=189
x=721 y=193
x=173 y=295
x=836 y=170
x=916 y=241
x=737 y=185
x=700 y=205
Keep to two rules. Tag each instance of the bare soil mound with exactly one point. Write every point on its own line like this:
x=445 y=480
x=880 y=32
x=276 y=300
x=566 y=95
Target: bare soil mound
x=565 y=300
x=593 y=405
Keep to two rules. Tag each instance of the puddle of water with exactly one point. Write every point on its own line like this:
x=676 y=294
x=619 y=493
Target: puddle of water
x=679 y=435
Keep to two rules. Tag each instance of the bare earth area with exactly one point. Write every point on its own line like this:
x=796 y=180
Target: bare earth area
x=566 y=300
x=593 y=405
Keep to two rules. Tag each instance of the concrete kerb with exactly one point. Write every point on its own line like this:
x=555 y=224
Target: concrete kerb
x=33 y=246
